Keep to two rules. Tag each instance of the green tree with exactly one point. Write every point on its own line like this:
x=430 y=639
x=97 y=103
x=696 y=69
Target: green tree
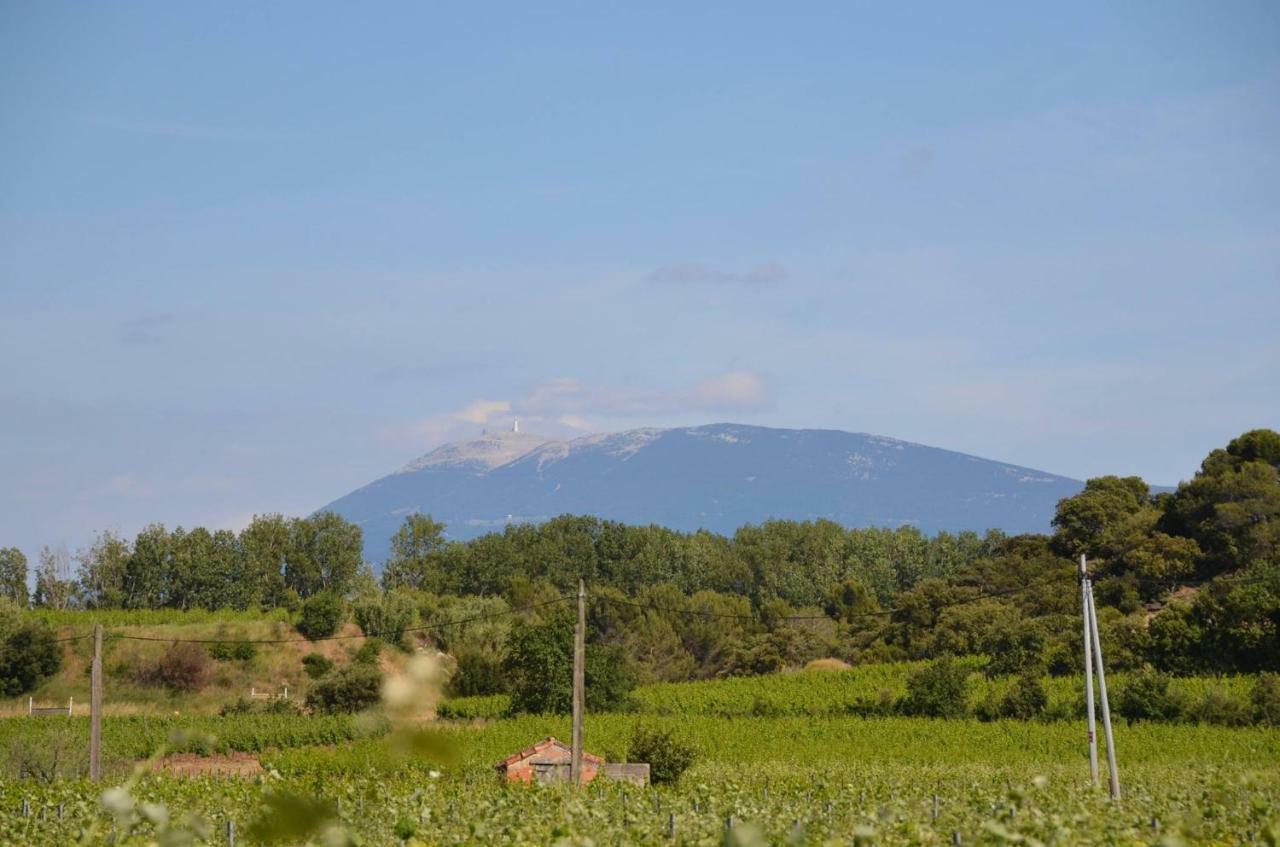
x=322 y=614
x=539 y=666
x=13 y=575
x=148 y=574
x=1085 y=523
x=54 y=587
x=385 y=615
x=101 y=571
x=1232 y=506
x=29 y=654
x=264 y=544
x=325 y=554
x=415 y=560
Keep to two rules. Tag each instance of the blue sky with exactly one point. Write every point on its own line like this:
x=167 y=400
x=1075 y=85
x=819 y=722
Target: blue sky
x=255 y=255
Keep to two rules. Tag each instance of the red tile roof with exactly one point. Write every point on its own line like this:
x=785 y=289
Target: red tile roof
x=544 y=744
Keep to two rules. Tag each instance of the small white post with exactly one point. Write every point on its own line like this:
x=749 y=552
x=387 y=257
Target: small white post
x=31 y=707
x=1092 y=731
x=71 y=701
x=286 y=692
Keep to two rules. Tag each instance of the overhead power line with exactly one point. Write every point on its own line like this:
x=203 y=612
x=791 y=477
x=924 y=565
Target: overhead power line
x=433 y=625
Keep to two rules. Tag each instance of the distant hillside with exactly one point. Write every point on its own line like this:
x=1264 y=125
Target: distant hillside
x=716 y=477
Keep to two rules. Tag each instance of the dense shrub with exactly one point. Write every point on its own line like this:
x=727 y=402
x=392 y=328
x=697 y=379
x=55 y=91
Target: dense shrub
x=386 y=616
x=321 y=616
x=274 y=706
x=476 y=673
x=226 y=651
x=668 y=755
x=242 y=705
x=1015 y=649
x=348 y=689
x=1218 y=707
x=1147 y=696
x=938 y=690
x=1265 y=699
x=182 y=667
x=316 y=665
x=369 y=652
x=1025 y=699
x=28 y=655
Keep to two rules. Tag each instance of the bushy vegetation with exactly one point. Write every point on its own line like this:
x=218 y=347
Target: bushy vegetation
x=352 y=688
x=316 y=665
x=1148 y=696
x=384 y=615
x=29 y=654
x=182 y=667
x=880 y=691
x=669 y=755
x=321 y=616
x=938 y=690
x=227 y=651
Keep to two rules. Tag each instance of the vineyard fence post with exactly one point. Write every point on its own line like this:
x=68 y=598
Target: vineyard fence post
x=579 y=692
x=95 y=707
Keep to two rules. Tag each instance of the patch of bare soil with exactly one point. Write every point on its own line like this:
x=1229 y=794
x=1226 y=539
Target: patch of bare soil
x=192 y=764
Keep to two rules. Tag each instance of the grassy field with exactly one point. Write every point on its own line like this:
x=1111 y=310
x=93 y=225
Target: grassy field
x=275 y=667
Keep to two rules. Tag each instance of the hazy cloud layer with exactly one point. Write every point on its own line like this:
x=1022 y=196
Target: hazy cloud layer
x=734 y=391
x=145 y=329
x=695 y=273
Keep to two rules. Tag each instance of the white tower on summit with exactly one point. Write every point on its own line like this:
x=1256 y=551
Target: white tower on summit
x=515 y=425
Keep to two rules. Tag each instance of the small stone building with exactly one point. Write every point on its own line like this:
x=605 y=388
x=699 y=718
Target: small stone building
x=547 y=761
x=550 y=760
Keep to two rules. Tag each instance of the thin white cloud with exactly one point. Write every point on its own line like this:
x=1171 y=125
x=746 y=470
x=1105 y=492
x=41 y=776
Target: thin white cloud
x=481 y=411
x=577 y=422
x=450 y=425
x=734 y=391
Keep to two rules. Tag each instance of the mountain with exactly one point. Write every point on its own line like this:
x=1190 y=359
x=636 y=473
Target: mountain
x=716 y=477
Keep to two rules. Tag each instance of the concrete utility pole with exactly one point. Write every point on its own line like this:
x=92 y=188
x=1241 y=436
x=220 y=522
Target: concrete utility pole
x=579 y=684
x=1088 y=673
x=1102 y=694
x=95 y=707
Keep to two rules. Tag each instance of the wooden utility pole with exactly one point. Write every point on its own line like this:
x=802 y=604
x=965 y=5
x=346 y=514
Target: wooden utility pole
x=1088 y=673
x=579 y=684
x=95 y=707
x=1102 y=695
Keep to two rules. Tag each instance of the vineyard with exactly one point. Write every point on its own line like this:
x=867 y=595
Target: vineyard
x=794 y=780
x=865 y=690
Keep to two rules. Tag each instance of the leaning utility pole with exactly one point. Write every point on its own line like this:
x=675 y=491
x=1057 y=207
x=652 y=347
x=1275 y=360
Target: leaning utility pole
x=1088 y=673
x=579 y=684
x=1102 y=694
x=95 y=706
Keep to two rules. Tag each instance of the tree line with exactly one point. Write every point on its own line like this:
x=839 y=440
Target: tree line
x=1187 y=582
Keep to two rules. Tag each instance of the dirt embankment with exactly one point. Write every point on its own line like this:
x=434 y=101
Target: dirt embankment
x=228 y=764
